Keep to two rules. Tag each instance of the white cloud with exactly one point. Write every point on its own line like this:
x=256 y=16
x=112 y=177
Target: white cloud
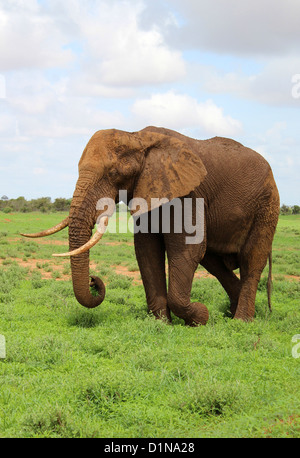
x=71 y=117
x=39 y=171
x=29 y=37
x=141 y=58
x=36 y=107
x=131 y=56
x=88 y=84
x=7 y=124
x=180 y=112
x=272 y=85
x=104 y=38
x=259 y=27
x=282 y=152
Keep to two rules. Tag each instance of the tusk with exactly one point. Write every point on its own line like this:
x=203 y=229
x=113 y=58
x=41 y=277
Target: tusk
x=50 y=231
x=92 y=242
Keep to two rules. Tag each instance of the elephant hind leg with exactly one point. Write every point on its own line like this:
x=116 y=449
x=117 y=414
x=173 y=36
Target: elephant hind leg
x=150 y=254
x=253 y=259
x=215 y=265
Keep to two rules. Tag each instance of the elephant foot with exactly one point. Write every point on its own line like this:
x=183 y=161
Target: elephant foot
x=243 y=317
x=98 y=286
x=198 y=315
x=244 y=311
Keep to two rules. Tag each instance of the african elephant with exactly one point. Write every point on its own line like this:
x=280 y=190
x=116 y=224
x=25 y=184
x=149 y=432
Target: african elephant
x=241 y=208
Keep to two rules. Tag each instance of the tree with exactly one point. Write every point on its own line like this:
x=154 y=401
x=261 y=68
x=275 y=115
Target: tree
x=18 y=204
x=295 y=210
x=42 y=204
x=61 y=205
x=285 y=210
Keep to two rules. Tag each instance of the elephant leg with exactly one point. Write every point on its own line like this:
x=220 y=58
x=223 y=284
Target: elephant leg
x=215 y=265
x=150 y=254
x=253 y=259
x=183 y=260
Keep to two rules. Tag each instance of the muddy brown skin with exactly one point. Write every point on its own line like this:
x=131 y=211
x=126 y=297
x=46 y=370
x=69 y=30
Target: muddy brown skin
x=241 y=214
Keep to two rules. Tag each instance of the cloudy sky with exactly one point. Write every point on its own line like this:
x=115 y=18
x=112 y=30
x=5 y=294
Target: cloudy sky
x=201 y=67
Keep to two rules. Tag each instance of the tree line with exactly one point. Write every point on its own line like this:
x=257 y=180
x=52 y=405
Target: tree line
x=42 y=204
x=287 y=210
x=45 y=205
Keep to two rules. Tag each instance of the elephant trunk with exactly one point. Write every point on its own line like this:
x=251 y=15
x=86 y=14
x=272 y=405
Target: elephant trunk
x=82 y=219
x=81 y=282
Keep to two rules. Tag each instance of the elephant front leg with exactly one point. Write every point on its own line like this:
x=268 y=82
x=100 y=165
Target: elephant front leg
x=183 y=261
x=150 y=254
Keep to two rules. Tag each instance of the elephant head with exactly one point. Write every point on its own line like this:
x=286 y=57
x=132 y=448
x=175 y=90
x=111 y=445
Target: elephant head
x=147 y=164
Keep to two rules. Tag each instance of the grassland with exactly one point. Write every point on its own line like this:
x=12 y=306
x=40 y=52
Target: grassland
x=116 y=372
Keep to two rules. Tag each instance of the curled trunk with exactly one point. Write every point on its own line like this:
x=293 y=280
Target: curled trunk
x=82 y=219
x=81 y=282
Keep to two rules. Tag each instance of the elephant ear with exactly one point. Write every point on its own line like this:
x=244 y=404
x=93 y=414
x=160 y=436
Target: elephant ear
x=171 y=169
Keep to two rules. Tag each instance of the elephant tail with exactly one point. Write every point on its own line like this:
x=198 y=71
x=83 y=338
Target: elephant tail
x=269 y=286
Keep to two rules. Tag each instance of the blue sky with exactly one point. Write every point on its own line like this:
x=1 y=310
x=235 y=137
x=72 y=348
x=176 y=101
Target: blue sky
x=203 y=68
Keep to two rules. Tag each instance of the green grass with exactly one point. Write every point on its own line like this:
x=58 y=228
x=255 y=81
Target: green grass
x=116 y=372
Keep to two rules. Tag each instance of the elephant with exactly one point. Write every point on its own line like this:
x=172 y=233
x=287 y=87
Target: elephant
x=241 y=209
